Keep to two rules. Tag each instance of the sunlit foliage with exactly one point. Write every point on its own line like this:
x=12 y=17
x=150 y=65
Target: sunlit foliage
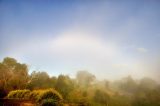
x=84 y=90
x=39 y=96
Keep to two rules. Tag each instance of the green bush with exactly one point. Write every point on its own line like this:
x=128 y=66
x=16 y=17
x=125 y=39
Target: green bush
x=19 y=94
x=50 y=94
x=34 y=95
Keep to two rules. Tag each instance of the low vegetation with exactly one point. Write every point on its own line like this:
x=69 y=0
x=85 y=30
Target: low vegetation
x=84 y=90
x=19 y=94
x=43 y=97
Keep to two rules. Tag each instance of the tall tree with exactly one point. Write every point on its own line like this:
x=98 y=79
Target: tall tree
x=39 y=80
x=64 y=85
x=14 y=75
x=85 y=78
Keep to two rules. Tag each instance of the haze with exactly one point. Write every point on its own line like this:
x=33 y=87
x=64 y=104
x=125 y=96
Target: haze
x=111 y=39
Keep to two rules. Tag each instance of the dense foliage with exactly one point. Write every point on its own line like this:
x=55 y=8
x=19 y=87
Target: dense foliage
x=39 y=96
x=84 y=90
x=19 y=94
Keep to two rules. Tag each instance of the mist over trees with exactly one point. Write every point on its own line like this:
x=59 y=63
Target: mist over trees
x=84 y=90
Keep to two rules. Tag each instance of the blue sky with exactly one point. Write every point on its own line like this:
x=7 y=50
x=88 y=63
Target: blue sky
x=111 y=39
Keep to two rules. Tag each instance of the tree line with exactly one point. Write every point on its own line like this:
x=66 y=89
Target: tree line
x=83 y=90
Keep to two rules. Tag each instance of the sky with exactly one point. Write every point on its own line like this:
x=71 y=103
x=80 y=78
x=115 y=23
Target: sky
x=109 y=38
